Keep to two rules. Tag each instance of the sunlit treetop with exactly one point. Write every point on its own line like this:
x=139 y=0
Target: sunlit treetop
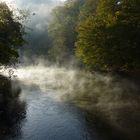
x=108 y=37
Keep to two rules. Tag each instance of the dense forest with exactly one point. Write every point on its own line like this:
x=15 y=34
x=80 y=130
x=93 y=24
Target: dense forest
x=103 y=34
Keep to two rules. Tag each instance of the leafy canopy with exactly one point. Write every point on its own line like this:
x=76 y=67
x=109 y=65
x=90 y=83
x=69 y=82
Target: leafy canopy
x=108 y=38
x=11 y=35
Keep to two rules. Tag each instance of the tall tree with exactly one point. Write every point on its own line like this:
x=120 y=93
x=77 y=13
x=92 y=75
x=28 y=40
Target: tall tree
x=11 y=35
x=109 y=37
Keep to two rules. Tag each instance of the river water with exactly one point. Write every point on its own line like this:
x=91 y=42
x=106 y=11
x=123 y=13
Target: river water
x=51 y=120
x=39 y=112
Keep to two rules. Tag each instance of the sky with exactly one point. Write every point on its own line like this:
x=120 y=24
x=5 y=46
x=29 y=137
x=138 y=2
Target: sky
x=41 y=8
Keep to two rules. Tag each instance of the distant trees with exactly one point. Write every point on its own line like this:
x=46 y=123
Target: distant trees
x=62 y=30
x=11 y=35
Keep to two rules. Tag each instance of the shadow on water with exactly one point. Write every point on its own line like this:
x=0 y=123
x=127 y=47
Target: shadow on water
x=12 y=110
x=112 y=102
x=69 y=105
x=115 y=113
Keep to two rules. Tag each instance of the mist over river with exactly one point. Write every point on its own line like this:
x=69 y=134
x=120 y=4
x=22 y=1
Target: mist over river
x=69 y=70
x=51 y=103
x=46 y=117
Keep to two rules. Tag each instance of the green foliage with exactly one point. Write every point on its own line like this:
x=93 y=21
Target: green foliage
x=11 y=35
x=62 y=31
x=109 y=37
x=87 y=9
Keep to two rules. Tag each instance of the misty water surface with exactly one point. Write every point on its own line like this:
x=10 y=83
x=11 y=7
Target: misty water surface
x=52 y=103
x=43 y=108
x=43 y=104
x=38 y=112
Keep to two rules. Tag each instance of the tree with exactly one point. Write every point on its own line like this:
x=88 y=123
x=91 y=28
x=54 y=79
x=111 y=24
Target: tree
x=109 y=37
x=11 y=35
x=62 y=31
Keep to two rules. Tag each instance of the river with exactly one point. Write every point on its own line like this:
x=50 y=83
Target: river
x=39 y=111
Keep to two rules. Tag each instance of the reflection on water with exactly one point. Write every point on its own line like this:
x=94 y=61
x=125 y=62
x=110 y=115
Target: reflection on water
x=12 y=110
x=45 y=107
x=51 y=120
x=41 y=118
